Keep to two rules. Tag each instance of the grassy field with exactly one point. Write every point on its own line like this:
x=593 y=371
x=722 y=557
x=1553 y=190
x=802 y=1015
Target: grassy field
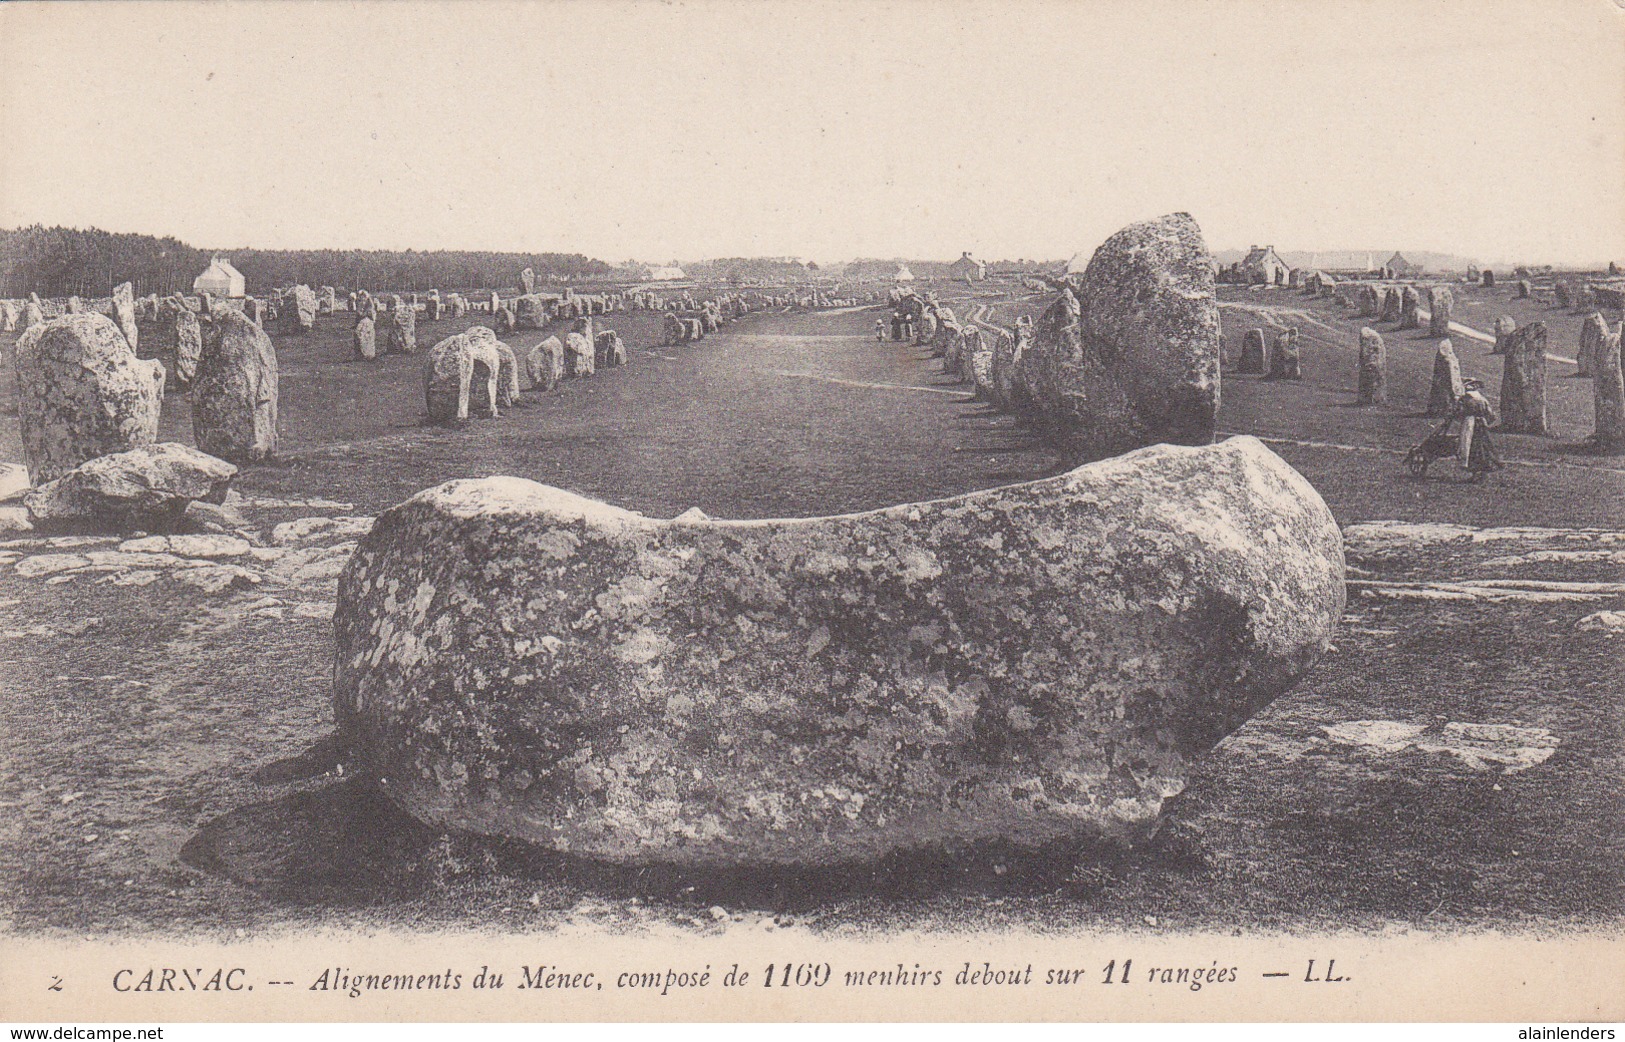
x=164 y=763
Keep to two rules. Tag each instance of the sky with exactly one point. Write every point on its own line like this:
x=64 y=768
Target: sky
x=1493 y=129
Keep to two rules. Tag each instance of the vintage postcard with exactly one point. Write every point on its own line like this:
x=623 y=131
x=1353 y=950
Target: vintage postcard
x=715 y=511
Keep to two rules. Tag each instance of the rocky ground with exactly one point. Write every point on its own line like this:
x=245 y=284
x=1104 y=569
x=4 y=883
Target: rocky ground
x=1455 y=762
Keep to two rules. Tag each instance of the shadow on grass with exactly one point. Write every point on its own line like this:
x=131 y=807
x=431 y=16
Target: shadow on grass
x=345 y=845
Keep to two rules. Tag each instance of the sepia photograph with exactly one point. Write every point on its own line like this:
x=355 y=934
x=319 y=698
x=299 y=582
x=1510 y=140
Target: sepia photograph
x=812 y=510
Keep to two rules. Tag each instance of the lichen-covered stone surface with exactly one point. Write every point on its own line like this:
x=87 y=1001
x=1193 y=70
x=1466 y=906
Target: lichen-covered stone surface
x=460 y=374
x=145 y=487
x=235 y=394
x=403 y=329
x=1028 y=664
x=82 y=393
x=544 y=364
x=365 y=339
x=1133 y=357
x=302 y=309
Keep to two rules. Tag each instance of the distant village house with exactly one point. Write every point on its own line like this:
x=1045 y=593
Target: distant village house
x=1398 y=267
x=967 y=268
x=220 y=279
x=1263 y=265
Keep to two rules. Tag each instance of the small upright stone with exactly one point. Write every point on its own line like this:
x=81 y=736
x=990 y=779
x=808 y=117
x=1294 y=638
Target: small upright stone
x=1608 y=395
x=1524 y=289
x=1523 y=381
x=1447 y=387
x=403 y=329
x=326 y=301
x=1410 y=309
x=544 y=364
x=1370 y=302
x=1392 y=304
x=527 y=281
x=1487 y=279
x=303 y=311
x=1252 y=352
x=188 y=344
x=124 y=313
x=1373 y=386
x=1504 y=327
x=1563 y=294
x=1285 y=361
x=1592 y=330
x=32 y=315
x=366 y=339
x=610 y=350
x=1440 y=303
x=503 y=321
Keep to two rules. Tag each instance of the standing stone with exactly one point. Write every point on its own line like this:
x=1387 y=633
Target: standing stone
x=124 y=313
x=530 y=312
x=1373 y=387
x=610 y=350
x=1585 y=297
x=1440 y=303
x=1252 y=352
x=1523 y=381
x=1525 y=290
x=234 y=398
x=326 y=301
x=366 y=339
x=578 y=355
x=485 y=342
x=1285 y=363
x=1392 y=304
x=459 y=305
x=454 y=383
x=74 y=306
x=1134 y=359
x=1447 y=387
x=1504 y=327
x=1608 y=395
x=1592 y=330
x=188 y=345
x=434 y=307
x=365 y=305
x=1563 y=294
x=504 y=322
x=1410 y=309
x=303 y=312
x=1487 y=279
x=82 y=393
x=8 y=316
x=403 y=329
x=544 y=364
x=32 y=315
x=527 y=281
x=255 y=310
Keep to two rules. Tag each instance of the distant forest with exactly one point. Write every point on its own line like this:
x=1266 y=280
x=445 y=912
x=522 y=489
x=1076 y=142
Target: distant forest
x=61 y=262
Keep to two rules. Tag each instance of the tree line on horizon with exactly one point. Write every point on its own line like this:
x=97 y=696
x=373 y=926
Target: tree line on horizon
x=88 y=262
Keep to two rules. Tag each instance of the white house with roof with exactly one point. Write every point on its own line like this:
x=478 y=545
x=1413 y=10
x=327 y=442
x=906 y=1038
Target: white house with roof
x=220 y=279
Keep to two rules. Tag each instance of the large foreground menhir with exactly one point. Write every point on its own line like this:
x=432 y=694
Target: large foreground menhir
x=1029 y=664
